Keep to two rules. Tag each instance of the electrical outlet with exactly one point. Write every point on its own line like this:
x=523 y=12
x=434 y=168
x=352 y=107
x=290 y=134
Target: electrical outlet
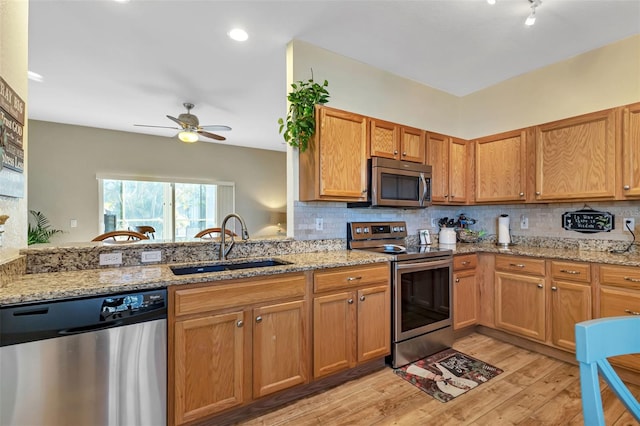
x=629 y=223
x=151 y=256
x=524 y=222
x=319 y=224
x=111 y=258
x=73 y=223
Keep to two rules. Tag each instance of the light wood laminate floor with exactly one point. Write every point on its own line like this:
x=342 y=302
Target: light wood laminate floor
x=533 y=390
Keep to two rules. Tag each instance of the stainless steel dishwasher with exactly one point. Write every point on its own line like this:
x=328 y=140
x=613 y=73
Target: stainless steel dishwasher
x=91 y=361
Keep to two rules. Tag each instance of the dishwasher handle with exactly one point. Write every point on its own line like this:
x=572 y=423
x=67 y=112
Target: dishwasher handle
x=89 y=328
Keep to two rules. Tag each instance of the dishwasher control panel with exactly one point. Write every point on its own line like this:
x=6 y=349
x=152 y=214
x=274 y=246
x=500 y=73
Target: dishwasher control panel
x=122 y=306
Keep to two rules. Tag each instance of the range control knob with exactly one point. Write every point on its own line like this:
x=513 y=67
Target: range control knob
x=358 y=230
x=402 y=229
x=366 y=230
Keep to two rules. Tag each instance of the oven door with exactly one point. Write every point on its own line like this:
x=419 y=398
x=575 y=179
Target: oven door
x=422 y=297
x=400 y=188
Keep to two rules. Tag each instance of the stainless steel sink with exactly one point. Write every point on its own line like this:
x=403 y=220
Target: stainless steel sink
x=219 y=267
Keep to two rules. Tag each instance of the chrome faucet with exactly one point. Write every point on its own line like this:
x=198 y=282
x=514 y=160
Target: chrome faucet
x=224 y=251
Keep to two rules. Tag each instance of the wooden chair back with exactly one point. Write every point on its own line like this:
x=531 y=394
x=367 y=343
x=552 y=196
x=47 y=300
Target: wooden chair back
x=213 y=232
x=149 y=231
x=121 y=236
x=597 y=340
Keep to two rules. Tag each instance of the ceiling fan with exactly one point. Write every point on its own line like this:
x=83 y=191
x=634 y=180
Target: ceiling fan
x=190 y=126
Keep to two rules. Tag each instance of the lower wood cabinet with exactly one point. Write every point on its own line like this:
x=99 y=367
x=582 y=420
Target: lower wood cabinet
x=228 y=341
x=465 y=291
x=620 y=296
x=520 y=296
x=351 y=317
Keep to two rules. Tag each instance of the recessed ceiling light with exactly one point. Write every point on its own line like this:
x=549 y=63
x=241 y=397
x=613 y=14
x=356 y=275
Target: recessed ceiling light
x=121 y=1
x=35 y=76
x=238 y=34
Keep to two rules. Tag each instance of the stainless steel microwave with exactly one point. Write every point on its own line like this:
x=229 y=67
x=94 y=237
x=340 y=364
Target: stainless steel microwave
x=394 y=183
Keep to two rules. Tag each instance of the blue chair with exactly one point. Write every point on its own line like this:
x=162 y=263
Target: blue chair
x=596 y=340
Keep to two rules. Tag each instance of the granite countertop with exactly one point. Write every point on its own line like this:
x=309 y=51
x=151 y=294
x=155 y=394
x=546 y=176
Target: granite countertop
x=63 y=285
x=592 y=256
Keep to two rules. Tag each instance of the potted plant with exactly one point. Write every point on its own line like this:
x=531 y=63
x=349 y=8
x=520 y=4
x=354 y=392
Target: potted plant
x=41 y=232
x=300 y=124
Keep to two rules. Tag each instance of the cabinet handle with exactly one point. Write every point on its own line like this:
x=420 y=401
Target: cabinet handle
x=240 y=323
x=350 y=301
x=626 y=187
x=517 y=265
x=537 y=192
x=633 y=280
x=453 y=196
x=540 y=285
x=568 y=271
x=630 y=312
x=554 y=288
x=354 y=278
x=364 y=191
x=522 y=194
x=395 y=152
x=446 y=195
x=258 y=318
x=457 y=280
x=465 y=262
x=404 y=153
x=362 y=298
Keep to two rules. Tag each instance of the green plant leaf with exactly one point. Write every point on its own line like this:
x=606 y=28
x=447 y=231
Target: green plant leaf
x=41 y=232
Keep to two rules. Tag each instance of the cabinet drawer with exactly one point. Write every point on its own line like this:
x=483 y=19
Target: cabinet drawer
x=338 y=278
x=620 y=276
x=466 y=261
x=573 y=271
x=241 y=292
x=520 y=264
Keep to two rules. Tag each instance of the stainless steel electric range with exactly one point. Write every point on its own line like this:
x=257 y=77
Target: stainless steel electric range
x=422 y=317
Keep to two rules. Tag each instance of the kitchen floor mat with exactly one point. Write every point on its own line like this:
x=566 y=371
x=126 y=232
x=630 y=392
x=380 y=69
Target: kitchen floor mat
x=447 y=374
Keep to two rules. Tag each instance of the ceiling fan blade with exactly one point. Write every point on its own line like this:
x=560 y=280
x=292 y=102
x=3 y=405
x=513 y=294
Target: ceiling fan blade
x=181 y=123
x=211 y=135
x=216 y=127
x=161 y=127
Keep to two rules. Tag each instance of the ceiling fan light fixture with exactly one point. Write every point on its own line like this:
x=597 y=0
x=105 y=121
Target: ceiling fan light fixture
x=531 y=19
x=188 y=136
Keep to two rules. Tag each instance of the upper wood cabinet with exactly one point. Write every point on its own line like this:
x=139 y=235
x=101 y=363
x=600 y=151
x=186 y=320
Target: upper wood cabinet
x=576 y=158
x=631 y=151
x=334 y=166
x=450 y=160
x=501 y=167
x=391 y=140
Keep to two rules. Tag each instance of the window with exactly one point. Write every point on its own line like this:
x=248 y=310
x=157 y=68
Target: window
x=176 y=210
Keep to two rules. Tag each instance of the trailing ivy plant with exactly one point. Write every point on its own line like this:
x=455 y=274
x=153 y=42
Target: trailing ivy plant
x=300 y=124
x=41 y=232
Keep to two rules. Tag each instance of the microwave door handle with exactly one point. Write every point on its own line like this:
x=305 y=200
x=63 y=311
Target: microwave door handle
x=424 y=189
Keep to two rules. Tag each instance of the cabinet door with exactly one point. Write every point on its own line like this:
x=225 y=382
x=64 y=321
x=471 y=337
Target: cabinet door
x=334 y=166
x=374 y=322
x=465 y=299
x=333 y=333
x=631 y=150
x=458 y=171
x=279 y=347
x=412 y=144
x=520 y=304
x=506 y=182
x=614 y=303
x=209 y=365
x=385 y=139
x=570 y=304
x=576 y=157
x=438 y=158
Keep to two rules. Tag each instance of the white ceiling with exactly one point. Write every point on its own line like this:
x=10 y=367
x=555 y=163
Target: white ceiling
x=111 y=65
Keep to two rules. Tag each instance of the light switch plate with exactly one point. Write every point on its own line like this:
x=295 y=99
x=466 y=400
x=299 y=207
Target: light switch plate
x=151 y=256
x=111 y=258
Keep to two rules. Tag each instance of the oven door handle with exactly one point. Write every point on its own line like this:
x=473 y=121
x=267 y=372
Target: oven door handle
x=424 y=264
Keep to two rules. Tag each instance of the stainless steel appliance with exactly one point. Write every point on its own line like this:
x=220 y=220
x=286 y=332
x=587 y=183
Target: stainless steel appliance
x=394 y=183
x=422 y=317
x=91 y=361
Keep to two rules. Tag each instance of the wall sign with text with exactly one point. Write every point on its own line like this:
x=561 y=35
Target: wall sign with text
x=12 y=120
x=588 y=221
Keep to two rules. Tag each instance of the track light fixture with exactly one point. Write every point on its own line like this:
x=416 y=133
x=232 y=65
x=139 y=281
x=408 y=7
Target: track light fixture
x=531 y=19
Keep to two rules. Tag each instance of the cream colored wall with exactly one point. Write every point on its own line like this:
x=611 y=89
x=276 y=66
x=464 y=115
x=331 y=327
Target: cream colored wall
x=14 y=18
x=65 y=159
x=596 y=80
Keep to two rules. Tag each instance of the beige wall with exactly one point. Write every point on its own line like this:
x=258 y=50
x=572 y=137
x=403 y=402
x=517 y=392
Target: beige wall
x=65 y=159
x=14 y=18
x=596 y=80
